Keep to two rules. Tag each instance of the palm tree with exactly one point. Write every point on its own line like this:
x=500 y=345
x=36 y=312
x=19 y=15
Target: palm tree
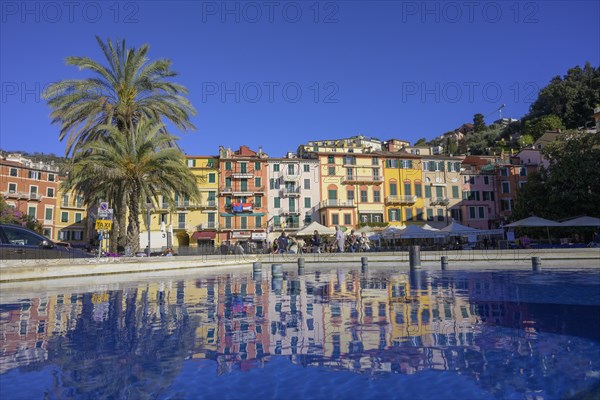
x=126 y=91
x=135 y=165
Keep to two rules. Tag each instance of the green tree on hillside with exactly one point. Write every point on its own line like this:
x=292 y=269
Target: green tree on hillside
x=572 y=98
x=570 y=186
x=479 y=123
x=536 y=127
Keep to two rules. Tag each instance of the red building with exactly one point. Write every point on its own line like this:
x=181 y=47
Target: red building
x=242 y=196
x=31 y=188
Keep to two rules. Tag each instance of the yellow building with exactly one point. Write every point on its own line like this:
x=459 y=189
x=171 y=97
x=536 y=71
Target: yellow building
x=70 y=218
x=442 y=184
x=403 y=176
x=186 y=222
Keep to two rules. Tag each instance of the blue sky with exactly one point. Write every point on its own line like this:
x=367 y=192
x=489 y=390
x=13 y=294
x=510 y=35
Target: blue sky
x=278 y=74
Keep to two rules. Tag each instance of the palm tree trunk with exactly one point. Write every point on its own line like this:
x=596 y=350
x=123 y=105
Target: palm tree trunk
x=122 y=232
x=133 y=226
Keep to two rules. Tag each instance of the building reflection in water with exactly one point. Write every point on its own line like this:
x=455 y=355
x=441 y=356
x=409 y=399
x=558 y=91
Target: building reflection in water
x=476 y=324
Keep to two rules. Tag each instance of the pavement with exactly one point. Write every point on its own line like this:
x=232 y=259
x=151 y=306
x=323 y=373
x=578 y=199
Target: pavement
x=32 y=270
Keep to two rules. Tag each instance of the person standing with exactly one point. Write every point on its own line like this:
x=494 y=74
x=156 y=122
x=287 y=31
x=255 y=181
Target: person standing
x=339 y=238
x=282 y=243
x=316 y=242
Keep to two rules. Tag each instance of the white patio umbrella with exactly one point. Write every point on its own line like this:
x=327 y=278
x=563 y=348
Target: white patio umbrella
x=456 y=229
x=390 y=232
x=582 y=221
x=534 y=222
x=310 y=229
x=416 y=232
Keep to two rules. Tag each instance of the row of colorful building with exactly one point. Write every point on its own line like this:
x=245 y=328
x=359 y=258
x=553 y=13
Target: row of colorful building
x=248 y=196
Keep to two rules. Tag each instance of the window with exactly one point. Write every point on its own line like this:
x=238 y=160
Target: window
x=271 y=183
x=505 y=187
x=523 y=171
x=440 y=214
x=406 y=164
x=212 y=178
x=376 y=196
x=275 y=167
x=506 y=204
x=331 y=171
x=439 y=192
x=31 y=211
x=347 y=219
x=210 y=163
x=419 y=214
x=472 y=180
x=363 y=196
x=228 y=222
x=50 y=192
x=488 y=196
x=393 y=215
x=335 y=219
x=12 y=188
x=391 y=163
x=48 y=214
x=181 y=220
x=227 y=201
x=332 y=194
x=227 y=182
x=227 y=165
x=349 y=173
x=486 y=180
x=393 y=189
x=330 y=160
x=79 y=201
x=191 y=163
x=257 y=201
x=13 y=172
x=33 y=191
x=290 y=169
x=407 y=189
x=258 y=221
x=307 y=202
x=426 y=166
x=376 y=174
x=257 y=182
x=257 y=166
x=409 y=214
x=455 y=192
x=244 y=222
x=418 y=190
x=350 y=194
x=375 y=161
x=35 y=175
x=307 y=184
x=243 y=167
x=276 y=202
x=78 y=217
x=306 y=168
x=429 y=214
x=504 y=172
x=428 y=191
x=456 y=214
x=350 y=160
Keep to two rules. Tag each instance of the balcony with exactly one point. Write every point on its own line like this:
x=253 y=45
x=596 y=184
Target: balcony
x=207 y=225
x=241 y=191
x=287 y=226
x=363 y=179
x=242 y=175
x=289 y=212
x=291 y=176
x=336 y=204
x=439 y=201
x=401 y=199
x=209 y=204
x=22 y=195
x=287 y=192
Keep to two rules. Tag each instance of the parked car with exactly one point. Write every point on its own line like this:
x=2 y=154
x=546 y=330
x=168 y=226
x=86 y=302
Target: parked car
x=19 y=243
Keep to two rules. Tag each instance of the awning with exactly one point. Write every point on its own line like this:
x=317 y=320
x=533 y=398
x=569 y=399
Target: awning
x=198 y=235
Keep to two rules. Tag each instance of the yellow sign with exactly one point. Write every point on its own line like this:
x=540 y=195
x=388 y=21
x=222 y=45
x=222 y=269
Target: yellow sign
x=103 y=225
x=99 y=298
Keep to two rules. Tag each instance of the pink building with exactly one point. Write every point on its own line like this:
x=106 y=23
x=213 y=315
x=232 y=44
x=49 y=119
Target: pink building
x=479 y=207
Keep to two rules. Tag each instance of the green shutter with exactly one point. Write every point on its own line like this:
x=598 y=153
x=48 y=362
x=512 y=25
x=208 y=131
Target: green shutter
x=432 y=165
x=410 y=164
x=428 y=192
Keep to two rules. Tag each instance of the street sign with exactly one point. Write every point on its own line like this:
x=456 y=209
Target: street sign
x=103 y=210
x=103 y=225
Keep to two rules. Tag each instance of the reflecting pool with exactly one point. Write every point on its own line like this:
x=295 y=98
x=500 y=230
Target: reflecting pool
x=323 y=334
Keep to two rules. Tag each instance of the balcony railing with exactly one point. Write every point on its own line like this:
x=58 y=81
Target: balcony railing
x=21 y=195
x=287 y=226
x=242 y=175
x=362 y=179
x=290 y=192
x=439 y=201
x=289 y=212
x=401 y=199
x=209 y=204
x=207 y=225
x=336 y=203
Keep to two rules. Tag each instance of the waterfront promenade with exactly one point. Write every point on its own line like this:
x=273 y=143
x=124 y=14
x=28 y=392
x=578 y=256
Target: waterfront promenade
x=36 y=270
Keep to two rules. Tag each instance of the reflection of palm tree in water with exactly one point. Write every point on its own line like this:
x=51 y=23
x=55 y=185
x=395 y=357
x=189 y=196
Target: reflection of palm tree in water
x=134 y=353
